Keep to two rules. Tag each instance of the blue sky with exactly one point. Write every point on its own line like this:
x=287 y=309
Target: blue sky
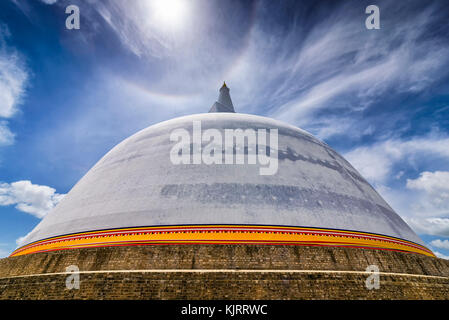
x=379 y=97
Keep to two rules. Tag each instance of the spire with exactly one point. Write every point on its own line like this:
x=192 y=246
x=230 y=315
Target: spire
x=224 y=103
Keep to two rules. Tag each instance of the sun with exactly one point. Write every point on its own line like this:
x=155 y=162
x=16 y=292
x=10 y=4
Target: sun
x=170 y=13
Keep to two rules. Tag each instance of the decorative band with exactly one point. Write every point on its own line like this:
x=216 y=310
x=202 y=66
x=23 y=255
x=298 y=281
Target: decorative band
x=223 y=234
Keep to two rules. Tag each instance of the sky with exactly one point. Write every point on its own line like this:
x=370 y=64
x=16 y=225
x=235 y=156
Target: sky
x=379 y=97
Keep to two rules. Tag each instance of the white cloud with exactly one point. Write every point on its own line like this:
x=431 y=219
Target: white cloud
x=6 y=136
x=298 y=81
x=184 y=43
x=424 y=201
x=432 y=182
x=376 y=162
x=330 y=126
x=13 y=77
x=347 y=81
x=373 y=164
x=431 y=226
x=438 y=243
x=34 y=199
x=432 y=197
x=364 y=65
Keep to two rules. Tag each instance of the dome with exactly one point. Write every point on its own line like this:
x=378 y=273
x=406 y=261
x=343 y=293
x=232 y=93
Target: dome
x=137 y=194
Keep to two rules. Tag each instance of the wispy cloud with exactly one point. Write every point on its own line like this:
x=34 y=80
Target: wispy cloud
x=433 y=189
x=319 y=69
x=376 y=162
x=34 y=199
x=343 y=65
x=291 y=73
x=13 y=80
x=427 y=205
x=426 y=212
x=430 y=226
x=424 y=201
x=6 y=136
x=185 y=44
x=138 y=25
x=438 y=243
x=13 y=77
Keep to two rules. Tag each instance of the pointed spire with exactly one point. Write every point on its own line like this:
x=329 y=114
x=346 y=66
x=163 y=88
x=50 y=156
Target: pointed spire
x=224 y=103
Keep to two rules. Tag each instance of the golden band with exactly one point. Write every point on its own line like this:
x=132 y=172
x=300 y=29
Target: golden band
x=223 y=234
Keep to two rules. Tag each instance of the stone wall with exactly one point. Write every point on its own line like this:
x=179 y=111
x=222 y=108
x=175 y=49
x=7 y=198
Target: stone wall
x=20 y=276
x=223 y=285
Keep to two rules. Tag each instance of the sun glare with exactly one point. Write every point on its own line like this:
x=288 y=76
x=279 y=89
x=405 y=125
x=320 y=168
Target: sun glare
x=170 y=13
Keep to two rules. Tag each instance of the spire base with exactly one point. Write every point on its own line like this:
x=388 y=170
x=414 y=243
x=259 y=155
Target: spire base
x=224 y=102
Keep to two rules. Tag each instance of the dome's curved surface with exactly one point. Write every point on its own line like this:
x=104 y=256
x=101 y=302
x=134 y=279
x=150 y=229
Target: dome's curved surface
x=315 y=192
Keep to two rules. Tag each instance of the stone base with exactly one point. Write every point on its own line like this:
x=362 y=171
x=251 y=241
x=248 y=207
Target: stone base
x=223 y=272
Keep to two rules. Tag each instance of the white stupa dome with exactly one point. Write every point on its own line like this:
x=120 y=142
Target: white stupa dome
x=136 y=195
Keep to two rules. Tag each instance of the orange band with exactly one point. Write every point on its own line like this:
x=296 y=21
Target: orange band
x=223 y=234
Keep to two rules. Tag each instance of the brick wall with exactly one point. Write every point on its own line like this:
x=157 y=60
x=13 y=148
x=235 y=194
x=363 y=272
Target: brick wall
x=227 y=285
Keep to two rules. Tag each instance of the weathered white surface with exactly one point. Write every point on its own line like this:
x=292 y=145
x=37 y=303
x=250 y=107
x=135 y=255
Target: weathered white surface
x=135 y=184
